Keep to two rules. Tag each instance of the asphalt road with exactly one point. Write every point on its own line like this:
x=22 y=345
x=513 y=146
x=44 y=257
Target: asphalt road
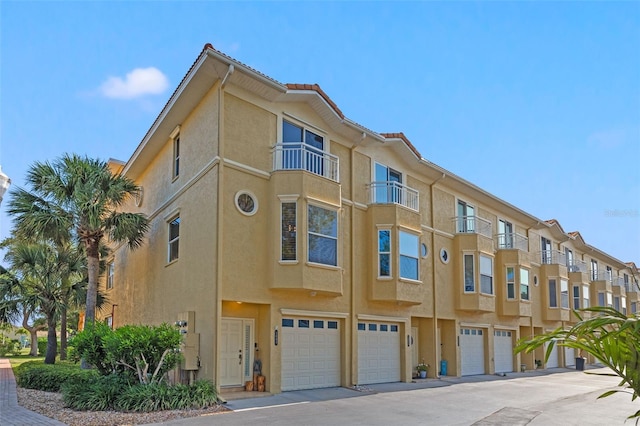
x=557 y=397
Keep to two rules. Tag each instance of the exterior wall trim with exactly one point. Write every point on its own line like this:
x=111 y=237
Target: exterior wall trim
x=243 y=167
x=475 y=325
x=305 y=313
x=367 y=317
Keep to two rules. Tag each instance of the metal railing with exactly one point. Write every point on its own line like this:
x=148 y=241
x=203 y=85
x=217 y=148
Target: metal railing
x=600 y=276
x=512 y=241
x=394 y=193
x=577 y=266
x=553 y=257
x=631 y=287
x=304 y=157
x=619 y=281
x=473 y=225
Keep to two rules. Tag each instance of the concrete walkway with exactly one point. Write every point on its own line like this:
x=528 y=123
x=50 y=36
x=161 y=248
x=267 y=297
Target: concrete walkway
x=11 y=414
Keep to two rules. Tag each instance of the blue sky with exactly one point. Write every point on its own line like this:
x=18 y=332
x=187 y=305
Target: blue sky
x=535 y=102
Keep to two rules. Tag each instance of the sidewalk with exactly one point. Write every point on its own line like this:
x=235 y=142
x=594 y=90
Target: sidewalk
x=11 y=414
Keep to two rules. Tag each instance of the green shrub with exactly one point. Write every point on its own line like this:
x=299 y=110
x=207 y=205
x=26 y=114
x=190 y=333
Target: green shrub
x=114 y=392
x=10 y=346
x=50 y=377
x=94 y=395
x=89 y=344
x=42 y=346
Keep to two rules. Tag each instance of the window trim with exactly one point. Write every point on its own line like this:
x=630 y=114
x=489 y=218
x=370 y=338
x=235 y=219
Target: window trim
x=564 y=294
x=416 y=258
x=251 y=195
x=527 y=284
x=110 y=274
x=383 y=253
x=553 y=295
x=176 y=240
x=465 y=275
x=512 y=282
x=175 y=154
x=490 y=259
x=293 y=201
x=336 y=238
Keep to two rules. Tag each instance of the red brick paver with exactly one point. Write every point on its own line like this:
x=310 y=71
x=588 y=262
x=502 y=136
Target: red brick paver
x=11 y=414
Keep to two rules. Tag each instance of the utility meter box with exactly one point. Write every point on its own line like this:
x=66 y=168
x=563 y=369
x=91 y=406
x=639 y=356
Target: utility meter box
x=191 y=351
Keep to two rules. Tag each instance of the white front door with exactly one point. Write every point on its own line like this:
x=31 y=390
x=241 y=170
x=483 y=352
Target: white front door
x=472 y=351
x=569 y=357
x=236 y=358
x=378 y=352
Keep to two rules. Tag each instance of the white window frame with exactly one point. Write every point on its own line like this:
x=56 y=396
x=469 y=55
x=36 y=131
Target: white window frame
x=466 y=275
x=110 y=274
x=585 y=297
x=175 y=154
x=486 y=271
x=511 y=283
x=403 y=253
x=524 y=283
x=553 y=292
x=386 y=254
x=594 y=270
x=564 y=293
x=316 y=234
x=173 y=241
x=288 y=227
x=576 y=297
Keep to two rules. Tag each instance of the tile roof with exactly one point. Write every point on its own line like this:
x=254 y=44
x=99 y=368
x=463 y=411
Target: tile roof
x=316 y=88
x=404 y=139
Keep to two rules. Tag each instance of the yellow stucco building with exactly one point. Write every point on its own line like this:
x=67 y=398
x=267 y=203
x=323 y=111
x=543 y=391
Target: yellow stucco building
x=282 y=231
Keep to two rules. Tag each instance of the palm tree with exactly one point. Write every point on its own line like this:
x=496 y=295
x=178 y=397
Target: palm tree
x=45 y=273
x=610 y=336
x=78 y=197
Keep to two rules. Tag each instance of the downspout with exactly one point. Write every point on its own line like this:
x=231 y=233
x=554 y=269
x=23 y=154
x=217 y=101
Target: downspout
x=354 y=331
x=219 y=227
x=434 y=285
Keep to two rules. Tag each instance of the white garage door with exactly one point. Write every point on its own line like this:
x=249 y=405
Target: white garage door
x=310 y=353
x=552 y=362
x=503 y=351
x=378 y=352
x=472 y=351
x=569 y=357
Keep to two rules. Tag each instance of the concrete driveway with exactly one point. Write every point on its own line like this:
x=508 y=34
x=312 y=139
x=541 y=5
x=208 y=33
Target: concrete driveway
x=553 y=397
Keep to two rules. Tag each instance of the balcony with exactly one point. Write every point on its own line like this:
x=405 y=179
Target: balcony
x=394 y=193
x=304 y=157
x=618 y=281
x=473 y=225
x=511 y=241
x=578 y=266
x=601 y=276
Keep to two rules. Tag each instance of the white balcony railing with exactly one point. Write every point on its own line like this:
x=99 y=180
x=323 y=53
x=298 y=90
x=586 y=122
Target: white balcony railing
x=304 y=157
x=553 y=257
x=619 y=281
x=577 y=266
x=631 y=287
x=394 y=193
x=601 y=276
x=512 y=241
x=473 y=225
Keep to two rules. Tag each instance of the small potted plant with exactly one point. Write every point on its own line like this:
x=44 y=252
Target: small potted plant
x=422 y=369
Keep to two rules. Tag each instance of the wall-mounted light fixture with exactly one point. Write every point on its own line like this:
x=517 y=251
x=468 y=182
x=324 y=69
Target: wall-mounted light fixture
x=275 y=336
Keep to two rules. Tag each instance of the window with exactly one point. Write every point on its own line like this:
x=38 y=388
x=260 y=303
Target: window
x=609 y=274
x=388 y=185
x=594 y=270
x=303 y=149
x=110 y=270
x=564 y=293
x=623 y=301
x=511 y=282
x=174 y=238
x=524 y=284
x=610 y=300
x=634 y=307
x=576 y=297
x=409 y=256
x=176 y=156
x=601 y=299
x=109 y=321
x=553 y=295
x=486 y=275
x=323 y=235
x=469 y=278
x=568 y=254
x=289 y=226
x=585 y=296
x=616 y=303
x=545 y=248
x=384 y=253
x=505 y=234
x=246 y=203
x=466 y=217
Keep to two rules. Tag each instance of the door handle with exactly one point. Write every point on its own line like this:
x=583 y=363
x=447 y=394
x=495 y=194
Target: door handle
x=240 y=357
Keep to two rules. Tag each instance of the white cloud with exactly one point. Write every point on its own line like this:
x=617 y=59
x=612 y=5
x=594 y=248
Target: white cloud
x=137 y=83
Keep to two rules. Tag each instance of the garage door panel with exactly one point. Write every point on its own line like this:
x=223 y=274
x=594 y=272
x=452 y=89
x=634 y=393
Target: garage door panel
x=310 y=354
x=503 y=351
x=378 y=353
x=552 y=362
x=472 y=351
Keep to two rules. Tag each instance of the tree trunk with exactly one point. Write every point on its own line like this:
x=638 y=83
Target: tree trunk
x=52 y=340
x=63 y=334
x=33 y=331
x=93 y=269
